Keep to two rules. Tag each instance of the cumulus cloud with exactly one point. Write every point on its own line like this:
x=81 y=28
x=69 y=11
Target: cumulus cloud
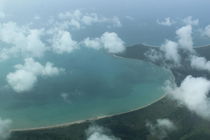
x=62 y=42
x=184 y=35
x=200 y=63
x=192 y=93
x=21 y=80
x=206 y=31
x=168 y=53
x=4 y=128
x=111 y=42
x=190 y=21
x=170 y=50
x=161 y=128
x=26 y=75
x=166 y=22
x=26 y=41
x=93 y=43
x=154 y=55
x=95 y=132
x=34 y=45
x=78 y=19
x=187 y=21
x=21 y=40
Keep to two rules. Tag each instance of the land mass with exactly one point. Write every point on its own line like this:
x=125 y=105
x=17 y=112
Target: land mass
x=132 y=125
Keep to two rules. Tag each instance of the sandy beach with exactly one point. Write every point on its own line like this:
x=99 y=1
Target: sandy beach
x=87 y=120
x=91 y=119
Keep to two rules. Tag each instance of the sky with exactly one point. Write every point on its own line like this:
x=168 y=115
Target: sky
x=142 y=8
x=138 y=17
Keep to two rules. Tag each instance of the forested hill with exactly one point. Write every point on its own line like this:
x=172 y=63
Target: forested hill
x=139 y=52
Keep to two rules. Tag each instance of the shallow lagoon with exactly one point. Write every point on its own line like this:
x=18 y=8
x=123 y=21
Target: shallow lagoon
x=94 y=84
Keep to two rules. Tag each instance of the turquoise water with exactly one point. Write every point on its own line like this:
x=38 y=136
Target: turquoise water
x=94 y=84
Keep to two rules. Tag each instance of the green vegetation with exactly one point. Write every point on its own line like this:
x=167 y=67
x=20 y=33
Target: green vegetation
x=130 y=126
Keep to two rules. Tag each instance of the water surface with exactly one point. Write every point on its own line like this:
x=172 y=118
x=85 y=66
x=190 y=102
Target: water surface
x=94 y=83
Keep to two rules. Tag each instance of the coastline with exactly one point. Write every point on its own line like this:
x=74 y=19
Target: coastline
x=202 y=46
x=87 y=120
x=90 y=119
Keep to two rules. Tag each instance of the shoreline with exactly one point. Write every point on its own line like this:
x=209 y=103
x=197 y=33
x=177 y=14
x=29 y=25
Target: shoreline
x=90 y=119
x=203 y=46
x=87 y=120
x=156 y=46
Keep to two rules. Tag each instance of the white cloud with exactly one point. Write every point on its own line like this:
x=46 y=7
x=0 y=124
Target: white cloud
x=90 y=19
x=112 y=42
x=34 y=45
x=4 y=128
x=26 y=75
x=190 y=21
x=93 y=43
x=78 y=19
x=154 y=55
x=25 y=41
x=73 y=23
x=187 y=21
x=99 y=133
x=108 y=41
x=166 y=22
x=165 y=123
x=192 y=93
x=77 y=14
x=184 y=35
x=168 y=54
x=21 y=80
x=200 y=63
x=62 y=42
x=21 y=41
x=206 y=31
x=170 y=50
x=161 y=128
x=31 y=65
